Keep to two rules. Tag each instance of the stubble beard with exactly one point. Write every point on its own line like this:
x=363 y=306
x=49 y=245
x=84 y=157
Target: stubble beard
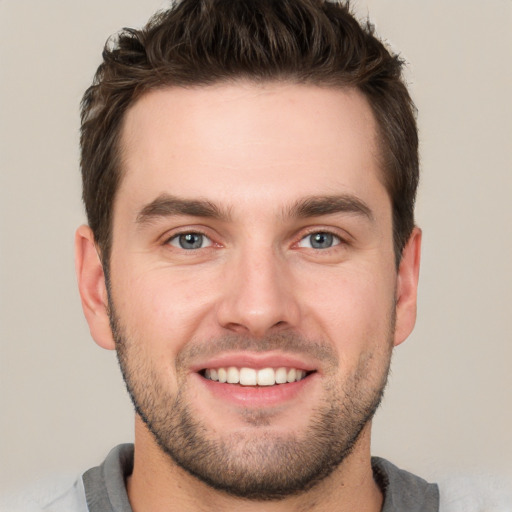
x=261 y=465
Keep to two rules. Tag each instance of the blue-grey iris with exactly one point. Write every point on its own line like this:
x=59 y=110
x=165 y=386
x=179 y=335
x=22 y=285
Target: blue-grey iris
x=321 y=240
x=191 y=241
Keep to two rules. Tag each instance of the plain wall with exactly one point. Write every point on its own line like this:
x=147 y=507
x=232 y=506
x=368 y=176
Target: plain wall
x=448 y=408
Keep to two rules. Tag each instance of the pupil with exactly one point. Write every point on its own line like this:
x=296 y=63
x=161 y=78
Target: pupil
x=321 y=240
x=191 y=241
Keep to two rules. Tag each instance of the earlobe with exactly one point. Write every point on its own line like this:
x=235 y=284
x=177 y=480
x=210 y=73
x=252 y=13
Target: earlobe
x=407 y=287
x=92 y=287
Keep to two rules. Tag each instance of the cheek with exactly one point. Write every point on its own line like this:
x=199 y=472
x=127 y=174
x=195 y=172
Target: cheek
x=352 y=306
x=161 y=308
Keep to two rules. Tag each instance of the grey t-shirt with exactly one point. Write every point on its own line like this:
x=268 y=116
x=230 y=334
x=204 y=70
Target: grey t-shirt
x=105 y=489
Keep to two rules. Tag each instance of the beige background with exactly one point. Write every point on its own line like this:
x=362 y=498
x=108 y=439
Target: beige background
x=448 y=408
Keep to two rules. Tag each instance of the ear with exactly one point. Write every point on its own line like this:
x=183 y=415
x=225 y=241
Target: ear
x=92 y=287
x=407 y=287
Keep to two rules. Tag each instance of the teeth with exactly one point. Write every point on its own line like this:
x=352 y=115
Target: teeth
x=266 y=377
x=252 y=377
x=281 y=374
x=233 y=375
x=248 y=377
x=223 y=375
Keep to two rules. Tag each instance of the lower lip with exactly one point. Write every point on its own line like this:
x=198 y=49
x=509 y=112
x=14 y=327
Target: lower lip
x=256 y=396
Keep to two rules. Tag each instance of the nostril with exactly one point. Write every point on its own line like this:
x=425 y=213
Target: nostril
x=237 y=328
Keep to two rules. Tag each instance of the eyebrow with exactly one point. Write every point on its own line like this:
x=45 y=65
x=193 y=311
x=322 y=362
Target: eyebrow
x=167 y=206
x=327 y=205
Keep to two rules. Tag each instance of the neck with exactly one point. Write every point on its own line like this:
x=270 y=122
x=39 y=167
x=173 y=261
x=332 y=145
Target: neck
x=158 y=484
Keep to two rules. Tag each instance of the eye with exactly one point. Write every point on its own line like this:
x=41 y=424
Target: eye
x=190 y=241
x=320 y=240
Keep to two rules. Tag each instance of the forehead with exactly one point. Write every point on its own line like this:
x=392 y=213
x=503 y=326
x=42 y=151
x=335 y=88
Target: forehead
x=273 y=140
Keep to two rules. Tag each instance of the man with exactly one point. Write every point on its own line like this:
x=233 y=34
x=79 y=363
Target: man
x=249 y=173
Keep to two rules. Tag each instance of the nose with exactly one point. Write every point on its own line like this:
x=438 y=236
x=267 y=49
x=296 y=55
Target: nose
x=258 y=295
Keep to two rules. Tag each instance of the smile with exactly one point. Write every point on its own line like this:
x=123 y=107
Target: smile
x=254 y=377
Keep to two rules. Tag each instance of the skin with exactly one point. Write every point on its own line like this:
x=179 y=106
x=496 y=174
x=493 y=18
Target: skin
x=254 y=151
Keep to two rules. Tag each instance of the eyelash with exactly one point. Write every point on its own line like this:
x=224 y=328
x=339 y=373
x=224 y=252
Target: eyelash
x=176 y=236
x=337 y=239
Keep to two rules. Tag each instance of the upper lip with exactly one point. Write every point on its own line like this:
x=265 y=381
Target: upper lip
x=255 y=360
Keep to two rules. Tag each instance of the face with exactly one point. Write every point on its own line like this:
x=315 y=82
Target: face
x=253 y=293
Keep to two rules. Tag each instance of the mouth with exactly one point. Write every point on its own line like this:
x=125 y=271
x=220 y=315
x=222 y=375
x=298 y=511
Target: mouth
x=255 y=377
x=257 y=380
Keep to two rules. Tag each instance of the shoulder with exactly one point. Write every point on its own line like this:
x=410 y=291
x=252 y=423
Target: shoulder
x=404 y=491
x=60 y=494
x=456 y=493
x=476 y=493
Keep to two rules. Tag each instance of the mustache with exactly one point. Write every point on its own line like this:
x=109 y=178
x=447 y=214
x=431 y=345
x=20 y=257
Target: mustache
x=285 y=342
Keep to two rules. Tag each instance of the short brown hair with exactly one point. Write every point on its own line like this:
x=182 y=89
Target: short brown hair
x=201 y=42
